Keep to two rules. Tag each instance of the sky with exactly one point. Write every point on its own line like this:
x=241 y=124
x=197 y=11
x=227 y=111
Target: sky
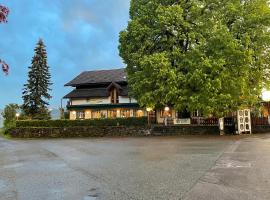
x=80 y=35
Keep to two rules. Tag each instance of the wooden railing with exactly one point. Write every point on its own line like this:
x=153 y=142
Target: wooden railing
x=210 y=121
x=259 y=121
x=228 y=121
x=204 y=121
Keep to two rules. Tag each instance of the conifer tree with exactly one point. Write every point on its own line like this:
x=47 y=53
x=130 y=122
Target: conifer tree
x=36 y=90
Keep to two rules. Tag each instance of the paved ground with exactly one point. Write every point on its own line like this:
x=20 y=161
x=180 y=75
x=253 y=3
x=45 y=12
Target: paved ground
x=189 y=168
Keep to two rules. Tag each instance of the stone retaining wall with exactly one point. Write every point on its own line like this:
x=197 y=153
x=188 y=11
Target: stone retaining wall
x=71 y=132
x=261 y=129
x=111 y=131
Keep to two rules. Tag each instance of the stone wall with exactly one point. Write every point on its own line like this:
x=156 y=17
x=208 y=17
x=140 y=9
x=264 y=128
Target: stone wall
x=133 y=131
x=261 y=129
x=71 y=132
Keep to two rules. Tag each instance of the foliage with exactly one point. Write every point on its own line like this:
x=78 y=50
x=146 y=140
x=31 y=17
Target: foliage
x=5 y=67
x=79 y=128
x=208 y=55
x=36 y=91
x=9 y=115
x=4 y=11
x=91 y=122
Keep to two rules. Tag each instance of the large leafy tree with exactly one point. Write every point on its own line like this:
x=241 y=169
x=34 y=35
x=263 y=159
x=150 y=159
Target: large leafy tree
x=4 y=11
x=208 y=55
x=36 y=90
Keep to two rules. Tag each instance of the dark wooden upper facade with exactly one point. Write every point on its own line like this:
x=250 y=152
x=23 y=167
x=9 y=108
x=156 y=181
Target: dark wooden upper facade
x=98 y=84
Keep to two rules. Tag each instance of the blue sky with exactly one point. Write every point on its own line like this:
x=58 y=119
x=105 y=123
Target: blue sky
x=79 y=34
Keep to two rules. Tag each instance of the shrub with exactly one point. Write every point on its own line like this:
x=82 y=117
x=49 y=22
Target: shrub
x=142 y=121
x=9 y=115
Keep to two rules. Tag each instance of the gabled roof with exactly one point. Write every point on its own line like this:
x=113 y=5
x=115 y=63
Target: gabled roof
x=100 y=76
x=114 y=85
x=86 y=93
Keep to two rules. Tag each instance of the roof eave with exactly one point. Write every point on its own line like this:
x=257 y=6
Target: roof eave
x=91 y=84
x=108 y=106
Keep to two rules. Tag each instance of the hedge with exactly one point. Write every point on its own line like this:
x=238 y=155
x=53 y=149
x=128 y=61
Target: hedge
x=142 y=121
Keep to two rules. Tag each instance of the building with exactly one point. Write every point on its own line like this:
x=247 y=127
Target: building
x=102 y=94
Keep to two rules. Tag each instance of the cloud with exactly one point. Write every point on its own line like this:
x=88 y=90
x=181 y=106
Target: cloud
x=79 y=35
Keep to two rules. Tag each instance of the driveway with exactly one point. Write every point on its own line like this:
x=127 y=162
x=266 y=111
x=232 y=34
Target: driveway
x=189 y=168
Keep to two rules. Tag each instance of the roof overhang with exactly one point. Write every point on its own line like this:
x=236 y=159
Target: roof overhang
x=114 y=85
x=93 y=84
x=103 y=106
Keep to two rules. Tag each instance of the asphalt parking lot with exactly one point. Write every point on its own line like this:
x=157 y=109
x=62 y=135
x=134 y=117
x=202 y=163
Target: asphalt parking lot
x=188 y=168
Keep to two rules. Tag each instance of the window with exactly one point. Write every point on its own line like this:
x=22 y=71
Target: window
x=132 y=113
x=80 y=115
x=139 y=113
x=114 y=96
x=103 y=114
x=125 y=113
x=96 y=114
x=164 y=113
x=112 y=113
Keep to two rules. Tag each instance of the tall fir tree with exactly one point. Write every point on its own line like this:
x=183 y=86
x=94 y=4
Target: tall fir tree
x=36 y=90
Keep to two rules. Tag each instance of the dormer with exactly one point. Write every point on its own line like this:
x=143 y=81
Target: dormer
x=114 y=90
